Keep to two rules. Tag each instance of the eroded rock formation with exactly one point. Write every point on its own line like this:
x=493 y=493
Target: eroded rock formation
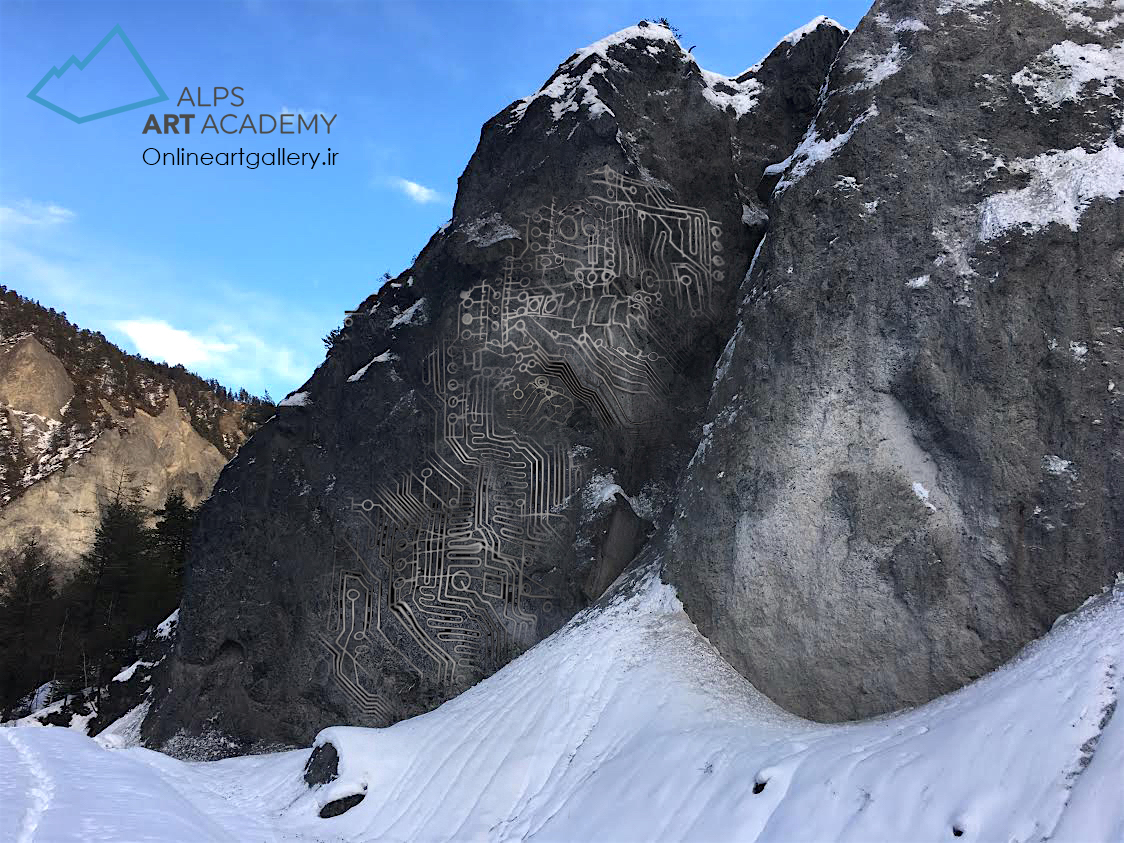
x=906 y=461
x=78 y=416
x=916 y=459
x=493 y=438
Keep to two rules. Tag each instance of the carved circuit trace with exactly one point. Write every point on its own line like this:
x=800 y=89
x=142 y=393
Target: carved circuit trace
x=447 y=581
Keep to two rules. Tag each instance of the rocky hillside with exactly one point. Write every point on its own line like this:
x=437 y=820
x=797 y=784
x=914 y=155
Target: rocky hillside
x=77 y=414
x=832 y=343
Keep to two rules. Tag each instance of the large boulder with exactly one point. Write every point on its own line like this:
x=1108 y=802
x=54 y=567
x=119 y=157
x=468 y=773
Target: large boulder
x=915 y=459
x=491 y=439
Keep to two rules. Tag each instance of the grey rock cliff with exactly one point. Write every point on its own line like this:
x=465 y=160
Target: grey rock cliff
x=903 y=411
x=916 y=454
x=490 y=442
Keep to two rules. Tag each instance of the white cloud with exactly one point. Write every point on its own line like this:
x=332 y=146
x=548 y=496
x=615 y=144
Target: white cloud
x=23 y=266
x=157 y=339
x=418 y=192
x=28 y=212
x=164 y=310
x=303 y=112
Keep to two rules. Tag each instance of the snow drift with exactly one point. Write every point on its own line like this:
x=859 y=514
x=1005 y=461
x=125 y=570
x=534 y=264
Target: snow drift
x=627 y=725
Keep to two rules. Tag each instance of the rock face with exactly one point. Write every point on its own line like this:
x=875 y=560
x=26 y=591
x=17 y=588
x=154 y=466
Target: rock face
x=32 y=380
x=493 y=438
x=162 y=453
x=907 y=460
x=77 y=414
x=916 y=459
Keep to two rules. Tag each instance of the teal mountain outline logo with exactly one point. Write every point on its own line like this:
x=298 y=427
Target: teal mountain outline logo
x=57 y=72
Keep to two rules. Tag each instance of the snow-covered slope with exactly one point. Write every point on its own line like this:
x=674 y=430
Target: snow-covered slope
x=626 y=725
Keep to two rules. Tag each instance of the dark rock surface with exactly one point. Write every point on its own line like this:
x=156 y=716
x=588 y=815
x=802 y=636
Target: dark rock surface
x=341 y=806
x=911 y=461
x=323 y=765
x=916 y=459
x=489 y=441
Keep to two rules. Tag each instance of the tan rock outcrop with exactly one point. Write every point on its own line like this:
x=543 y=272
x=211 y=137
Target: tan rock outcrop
x=161 y=453
x=33 y=380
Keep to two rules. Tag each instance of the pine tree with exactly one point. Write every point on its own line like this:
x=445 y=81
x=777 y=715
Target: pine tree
x=172 y=539
x=112 y=589
x=28 y=617
x=173 y=530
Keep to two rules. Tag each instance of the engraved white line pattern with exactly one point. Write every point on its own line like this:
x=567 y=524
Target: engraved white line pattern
x=586 y=316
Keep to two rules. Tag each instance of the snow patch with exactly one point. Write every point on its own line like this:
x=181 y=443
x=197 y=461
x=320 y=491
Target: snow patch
x=385 y=357
x=168 y=625
x=413 y=315
x=569 y=91
x=295 y=399
x=127 y=674
x=1053 y=464
x=966 y=6
x=726 y=94
x=1063 y=183
x=126 y=730
x=601 y=489
x=904 y=25
x=814 y=150
x=798 y=35
x=1063 y=72
x=1073 y=13
x=876 y=68
x=923 y=496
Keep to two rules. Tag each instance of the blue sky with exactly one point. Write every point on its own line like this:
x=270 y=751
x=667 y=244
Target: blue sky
x=238 y=273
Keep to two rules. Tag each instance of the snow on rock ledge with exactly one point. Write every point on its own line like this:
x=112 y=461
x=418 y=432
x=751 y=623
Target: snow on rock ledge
x=725 y=93
x=1063 y=72
x=814 y=150
x=296 y=399
x=797 y=35
x=415 y=314
x=385 y=357
x=572 y=84
x=811 y=26
x=1063 y=183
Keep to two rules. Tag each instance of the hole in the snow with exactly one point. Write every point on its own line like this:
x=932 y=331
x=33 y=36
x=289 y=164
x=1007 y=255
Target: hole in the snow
x=759 y=786
x=957 y=831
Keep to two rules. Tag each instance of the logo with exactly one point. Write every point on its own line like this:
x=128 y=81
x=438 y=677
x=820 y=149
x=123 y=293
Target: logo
x=73 y=61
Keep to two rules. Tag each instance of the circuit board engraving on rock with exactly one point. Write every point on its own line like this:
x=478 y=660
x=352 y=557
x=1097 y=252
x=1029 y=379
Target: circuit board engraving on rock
x=587 y=316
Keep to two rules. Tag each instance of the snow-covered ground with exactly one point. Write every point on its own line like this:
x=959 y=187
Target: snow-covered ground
x=627 y=725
